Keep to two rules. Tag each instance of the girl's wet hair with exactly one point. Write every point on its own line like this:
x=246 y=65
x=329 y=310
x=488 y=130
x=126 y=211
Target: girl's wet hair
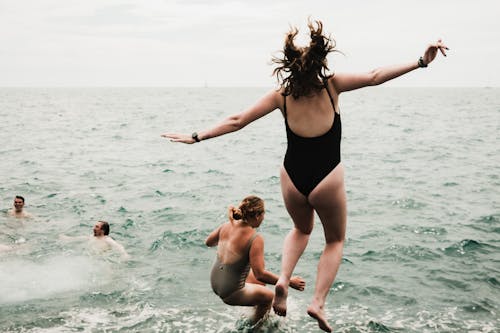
x=250 y=207
x=302 y=70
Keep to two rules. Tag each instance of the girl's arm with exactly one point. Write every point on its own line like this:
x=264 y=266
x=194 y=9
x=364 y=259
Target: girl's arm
x=346 y=82
x=258 y=266
x=263 y=106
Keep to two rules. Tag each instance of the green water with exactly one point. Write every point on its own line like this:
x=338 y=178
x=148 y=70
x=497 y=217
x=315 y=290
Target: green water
x=422 y=179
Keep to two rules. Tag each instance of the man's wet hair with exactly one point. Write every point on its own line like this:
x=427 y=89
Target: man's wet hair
x=105 y=227
x=20 y=197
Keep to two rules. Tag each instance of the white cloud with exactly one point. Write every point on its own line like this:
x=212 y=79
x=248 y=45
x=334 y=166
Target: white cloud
x=169 y=43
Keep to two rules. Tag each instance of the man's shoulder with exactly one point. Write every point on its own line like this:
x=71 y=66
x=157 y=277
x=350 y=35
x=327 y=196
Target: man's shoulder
x=109 y=239
x=24 y=214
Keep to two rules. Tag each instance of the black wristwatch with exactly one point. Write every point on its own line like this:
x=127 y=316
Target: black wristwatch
x=421 y=63
x=195 y=137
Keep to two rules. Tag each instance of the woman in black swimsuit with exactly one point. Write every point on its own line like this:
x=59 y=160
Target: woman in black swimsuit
x=312 y=176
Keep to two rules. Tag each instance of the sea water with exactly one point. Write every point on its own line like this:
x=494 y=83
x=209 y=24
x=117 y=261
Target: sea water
x=423 y=231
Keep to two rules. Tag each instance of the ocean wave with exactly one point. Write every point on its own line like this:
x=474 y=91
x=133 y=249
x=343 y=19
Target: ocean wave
x=484 y=305
x=401 y=253
x=358 y=318
x=180 y=240
x=489 y=219
x=468 y=247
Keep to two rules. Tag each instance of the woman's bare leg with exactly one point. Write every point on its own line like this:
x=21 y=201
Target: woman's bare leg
x=252 y=295
x=329 y=201
x=295 y=242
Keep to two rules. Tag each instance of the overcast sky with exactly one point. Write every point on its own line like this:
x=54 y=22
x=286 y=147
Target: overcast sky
x=230 y=43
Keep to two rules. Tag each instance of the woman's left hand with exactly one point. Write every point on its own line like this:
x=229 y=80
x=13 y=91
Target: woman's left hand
x=296 y=282
x=432 y=49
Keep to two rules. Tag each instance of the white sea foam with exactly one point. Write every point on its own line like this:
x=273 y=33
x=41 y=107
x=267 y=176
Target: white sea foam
x=23 y=280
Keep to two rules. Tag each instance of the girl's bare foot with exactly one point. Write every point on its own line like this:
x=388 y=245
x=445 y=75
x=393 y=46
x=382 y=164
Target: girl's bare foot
x=318 y=313
x=279 y=303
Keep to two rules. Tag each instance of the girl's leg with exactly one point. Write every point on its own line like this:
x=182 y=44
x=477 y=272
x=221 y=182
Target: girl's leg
x=329 y=201
x=295 y=242
x=252 y=295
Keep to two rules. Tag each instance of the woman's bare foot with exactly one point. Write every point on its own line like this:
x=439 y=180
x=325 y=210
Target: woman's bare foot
x=279 y=303
x=318 y=313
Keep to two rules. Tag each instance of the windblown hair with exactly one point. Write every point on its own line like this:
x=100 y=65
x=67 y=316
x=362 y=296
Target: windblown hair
x=250 y=207
x=303 y=70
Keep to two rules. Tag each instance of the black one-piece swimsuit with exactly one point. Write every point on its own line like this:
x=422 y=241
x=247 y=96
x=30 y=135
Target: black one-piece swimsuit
x=309 y=160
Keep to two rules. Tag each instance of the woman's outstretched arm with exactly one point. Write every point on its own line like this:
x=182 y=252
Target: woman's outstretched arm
x=346 y=82
x=263 y=106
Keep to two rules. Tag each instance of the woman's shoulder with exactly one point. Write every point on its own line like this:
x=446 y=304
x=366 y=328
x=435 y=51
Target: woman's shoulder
x=332 y=83
x=230 y=227
x=256 y=241
x=275 y=94
x=225 y=226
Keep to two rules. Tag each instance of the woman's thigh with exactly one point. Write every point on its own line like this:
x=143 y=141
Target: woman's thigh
x=250 y=295
x=297 y=205
x=330 y=203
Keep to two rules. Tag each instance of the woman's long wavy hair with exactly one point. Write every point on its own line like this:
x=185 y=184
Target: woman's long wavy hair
x=302 y=70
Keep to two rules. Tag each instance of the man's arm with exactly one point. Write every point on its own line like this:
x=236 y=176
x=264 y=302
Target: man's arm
x=73 y=238
x=118 y=247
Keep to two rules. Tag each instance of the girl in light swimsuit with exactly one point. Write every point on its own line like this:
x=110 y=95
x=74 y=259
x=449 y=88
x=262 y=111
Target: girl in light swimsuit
x=238 y=275
x=312 y=176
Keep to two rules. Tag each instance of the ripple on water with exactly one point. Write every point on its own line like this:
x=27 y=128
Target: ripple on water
x=400 y=253
x=408 y=204
x=468 y=247
x=356 y=318
x=374 y=326
x=180 y=240
x=453 y=284
x=492 y=281
x=436 y=231
x=487 y=223
x=486 y=305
